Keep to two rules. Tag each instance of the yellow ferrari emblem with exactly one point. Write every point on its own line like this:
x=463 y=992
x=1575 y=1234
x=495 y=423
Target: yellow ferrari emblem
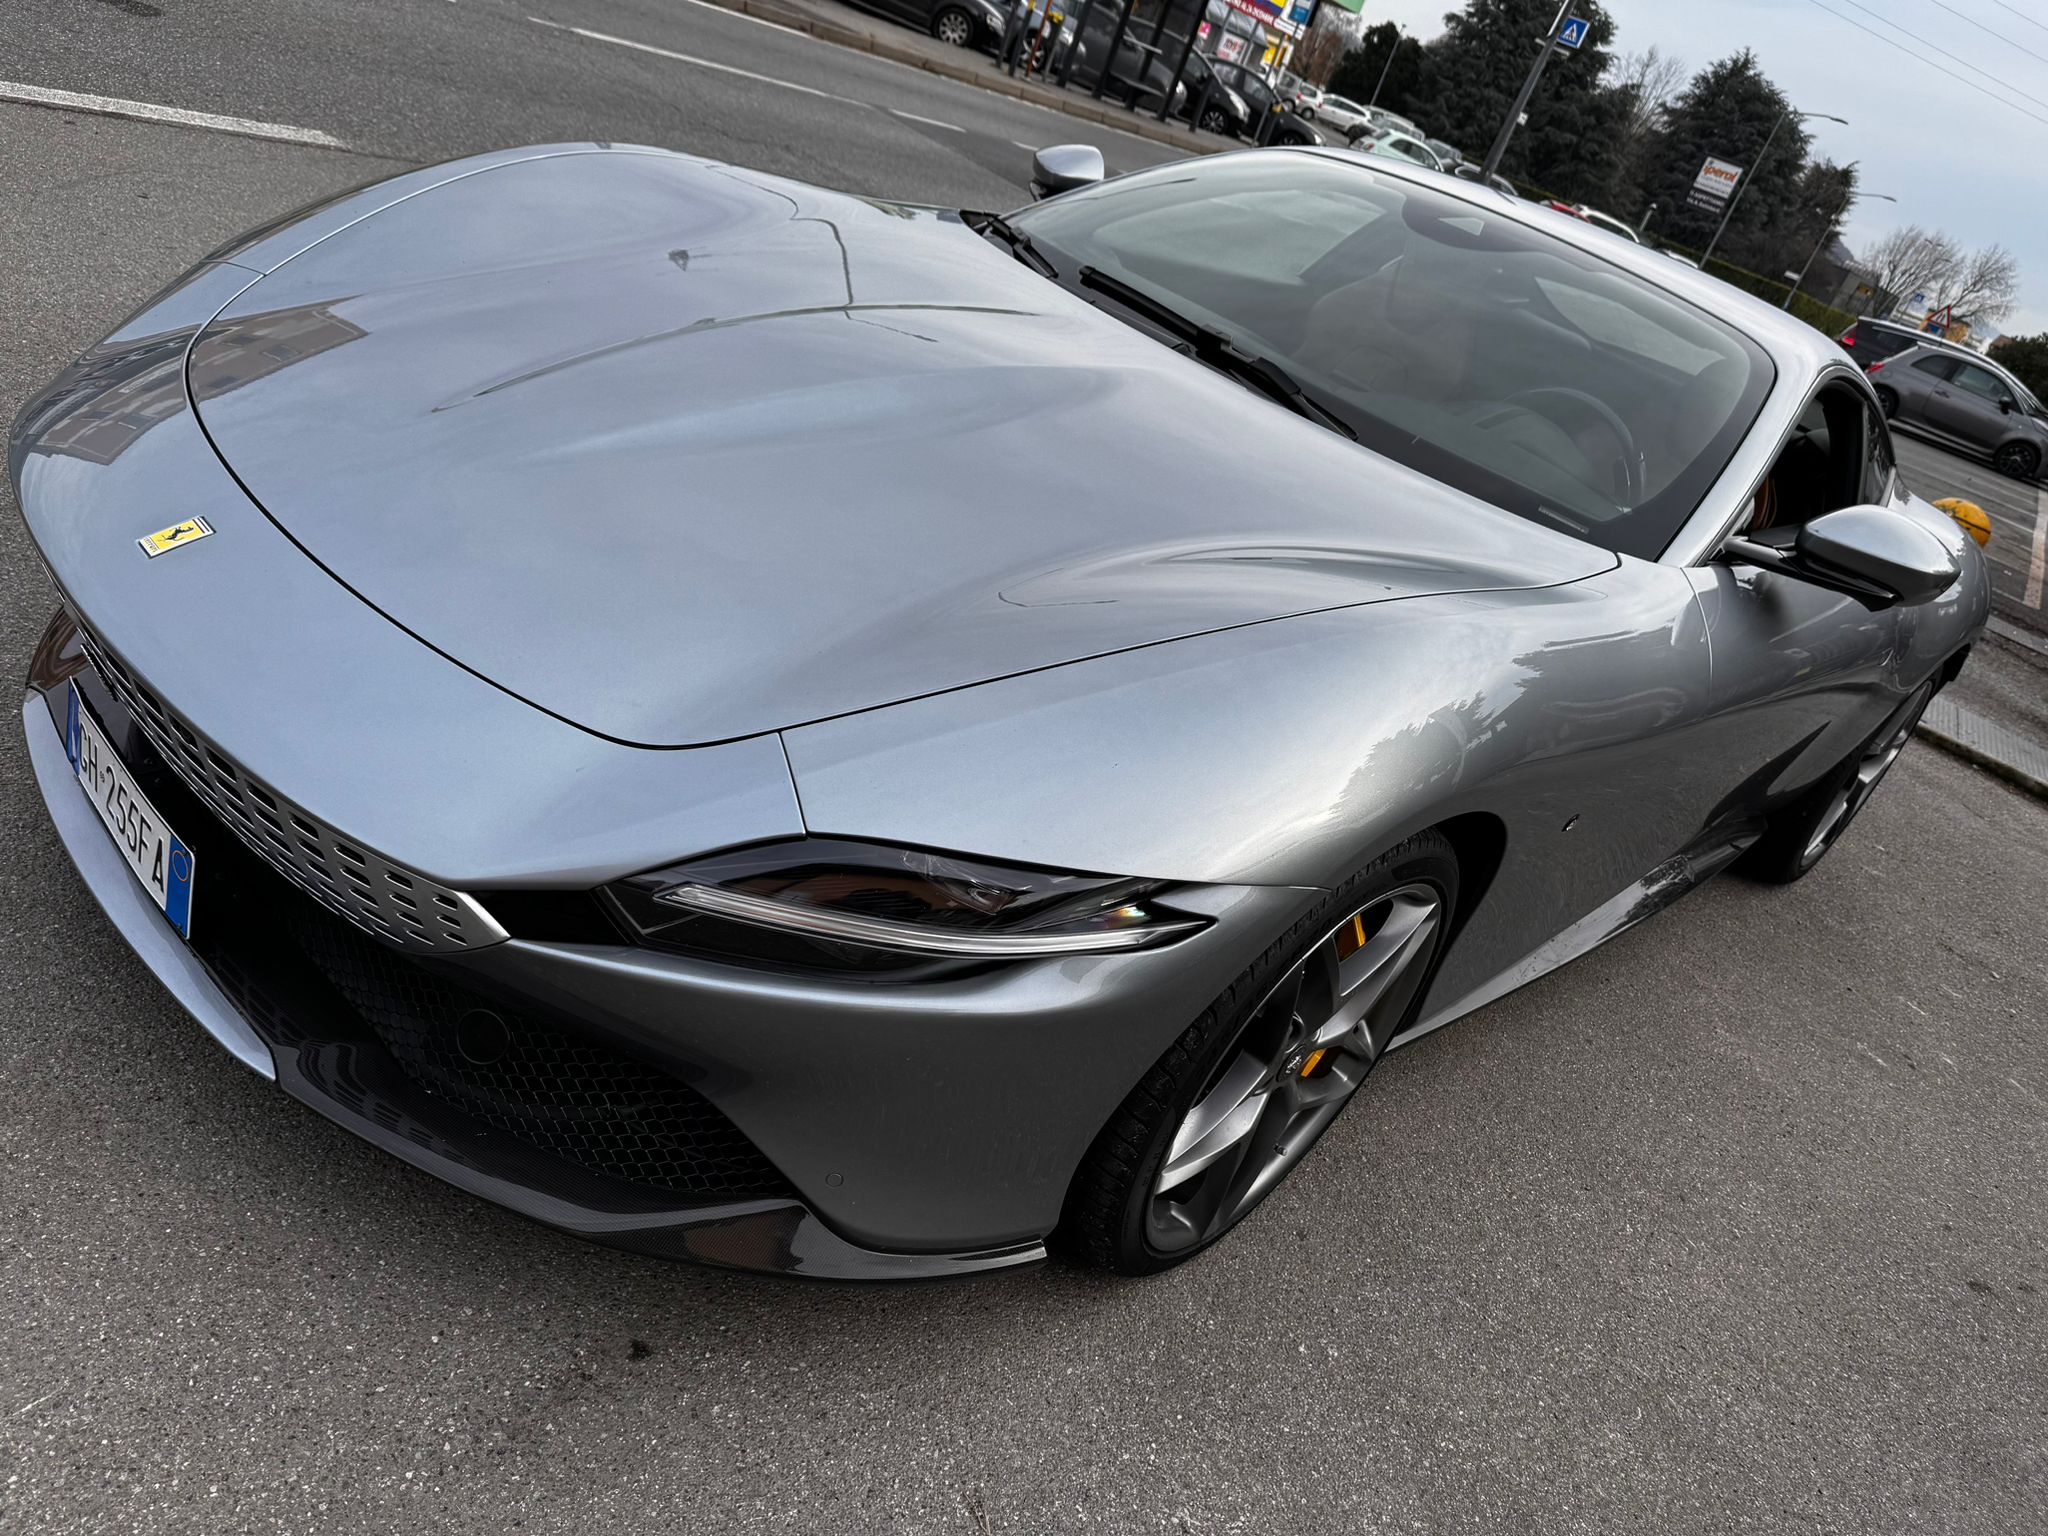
x=190 y=531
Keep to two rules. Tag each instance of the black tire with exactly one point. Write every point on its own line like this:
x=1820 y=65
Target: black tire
x=1798 y=837
x=2020 y=460
x=1109 y=1207
x=1888 y=402
x=1216 y=120
x=954 y=26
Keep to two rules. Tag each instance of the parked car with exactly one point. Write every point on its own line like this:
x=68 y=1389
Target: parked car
x=616 y=769
x=1140 y=77
x=1404 y=146
x=1873 y=341
x=1449 y=154
x=1471 y=170
x=1298 y=93
x=1341 y=116
x=1966 y=402
x=963 y=23
x=1289 y=126
x=1597 y=219
x=1213 y=106
x=1610 y=223
x=1383 y=121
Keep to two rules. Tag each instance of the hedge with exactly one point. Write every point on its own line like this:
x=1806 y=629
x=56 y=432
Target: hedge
x=1824 y=318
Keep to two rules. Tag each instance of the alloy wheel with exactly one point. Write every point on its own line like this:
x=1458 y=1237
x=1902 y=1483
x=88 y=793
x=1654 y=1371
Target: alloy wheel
x=1299 y=1058
x=2019 y=460
x=954 y=27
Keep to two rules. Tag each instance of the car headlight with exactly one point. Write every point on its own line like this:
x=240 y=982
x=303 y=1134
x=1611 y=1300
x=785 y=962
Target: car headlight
x=820 y=903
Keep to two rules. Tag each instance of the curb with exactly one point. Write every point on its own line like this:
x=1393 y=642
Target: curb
x=988 y=79
x=1970 y=736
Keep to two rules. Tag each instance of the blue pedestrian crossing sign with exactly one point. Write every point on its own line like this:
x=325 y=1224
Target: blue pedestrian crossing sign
x=1573 y=32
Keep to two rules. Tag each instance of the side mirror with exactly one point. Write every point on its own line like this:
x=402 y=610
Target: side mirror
x=2005 y=406
x=1874 y=554
x=1062 y=167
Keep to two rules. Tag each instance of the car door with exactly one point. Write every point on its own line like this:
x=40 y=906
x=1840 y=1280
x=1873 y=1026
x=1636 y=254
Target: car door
x=1802 y=675
x=1913 y=384
x=1974 y=405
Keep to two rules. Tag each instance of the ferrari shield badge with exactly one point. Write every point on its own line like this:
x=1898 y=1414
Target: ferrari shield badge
x=191 y=531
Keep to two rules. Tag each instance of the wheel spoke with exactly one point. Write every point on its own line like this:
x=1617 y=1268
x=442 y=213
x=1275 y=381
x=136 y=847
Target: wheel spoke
x=1224 y=1118
x=1300 y=1055
x=1369 y=975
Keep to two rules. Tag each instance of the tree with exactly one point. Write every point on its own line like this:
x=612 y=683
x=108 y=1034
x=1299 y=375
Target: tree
x=2026 y=359
x=1984 y=287
x=1726 y=113
x=1358 y=73
x=1471 y=74
x=1316 y=55
x=1644 y=83
x=1913 y=260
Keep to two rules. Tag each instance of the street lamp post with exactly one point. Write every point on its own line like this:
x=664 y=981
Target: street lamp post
x=1386 y=66
x=1521 y=106
x=1793 y=292
x=1749 y=175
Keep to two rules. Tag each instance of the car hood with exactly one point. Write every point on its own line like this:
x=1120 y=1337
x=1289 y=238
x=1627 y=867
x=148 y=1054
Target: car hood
x=682 y=453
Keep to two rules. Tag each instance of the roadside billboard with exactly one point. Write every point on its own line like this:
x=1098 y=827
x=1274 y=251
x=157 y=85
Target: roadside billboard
x=1714 y=185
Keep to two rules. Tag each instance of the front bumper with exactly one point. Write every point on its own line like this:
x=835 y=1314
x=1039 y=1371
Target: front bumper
x=912 y=1131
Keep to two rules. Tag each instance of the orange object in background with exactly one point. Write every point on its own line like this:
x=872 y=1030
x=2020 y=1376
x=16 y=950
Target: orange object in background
x=1973 y=517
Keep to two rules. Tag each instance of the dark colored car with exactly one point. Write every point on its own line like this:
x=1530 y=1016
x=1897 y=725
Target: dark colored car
x=1140 y=75
x=963 y=23
x=1873 y=341
x=1966 y=402
x=1265 y=101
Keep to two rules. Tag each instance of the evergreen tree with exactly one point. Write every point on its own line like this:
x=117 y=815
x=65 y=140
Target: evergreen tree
x=1726 y=113
x=1358 y=73
x=1571 y=145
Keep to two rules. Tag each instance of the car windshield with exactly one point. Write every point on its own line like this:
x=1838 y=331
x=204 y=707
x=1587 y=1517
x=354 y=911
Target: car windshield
x=1445 y=334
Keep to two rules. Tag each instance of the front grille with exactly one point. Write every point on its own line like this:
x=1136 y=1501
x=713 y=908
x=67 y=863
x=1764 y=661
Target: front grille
x=379 y=897
x=566 y=1095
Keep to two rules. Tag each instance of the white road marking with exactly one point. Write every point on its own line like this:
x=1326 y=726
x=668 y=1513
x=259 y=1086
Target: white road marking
x=2039 y=563
x=743 y=16
x=929 y=122
x=150 y=112
x=691 y=58
x=1029 y=149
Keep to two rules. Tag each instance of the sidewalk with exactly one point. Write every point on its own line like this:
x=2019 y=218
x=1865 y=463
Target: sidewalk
x=1996 y=714
x=831 y=22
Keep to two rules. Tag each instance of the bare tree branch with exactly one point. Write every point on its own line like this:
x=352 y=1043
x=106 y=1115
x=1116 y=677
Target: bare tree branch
x=1984 y=288
x=1646 y=81
x=1913 y=260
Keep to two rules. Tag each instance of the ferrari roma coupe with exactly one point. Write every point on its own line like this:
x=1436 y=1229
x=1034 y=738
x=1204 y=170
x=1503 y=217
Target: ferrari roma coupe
x=828 y=736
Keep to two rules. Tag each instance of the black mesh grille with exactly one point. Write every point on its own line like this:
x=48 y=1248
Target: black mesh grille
x=569 y=1096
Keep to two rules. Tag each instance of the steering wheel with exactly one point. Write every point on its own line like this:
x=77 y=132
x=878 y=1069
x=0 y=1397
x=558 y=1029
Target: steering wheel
x=1631 y=460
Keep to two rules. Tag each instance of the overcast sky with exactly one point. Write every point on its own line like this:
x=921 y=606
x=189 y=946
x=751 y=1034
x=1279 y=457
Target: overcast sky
x=1952 y=154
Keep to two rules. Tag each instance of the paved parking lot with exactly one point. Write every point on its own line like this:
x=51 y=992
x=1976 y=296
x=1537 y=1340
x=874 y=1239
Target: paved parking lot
x=1741 y=1224
x=2018 y=550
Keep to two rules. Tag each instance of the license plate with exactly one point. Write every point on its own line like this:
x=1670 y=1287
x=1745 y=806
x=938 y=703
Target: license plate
x=160 y=861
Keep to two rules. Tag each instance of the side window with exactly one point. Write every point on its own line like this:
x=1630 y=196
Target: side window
x=1940 y=367
x=1982 y=382
x=1823 y=465
x=1878 y=461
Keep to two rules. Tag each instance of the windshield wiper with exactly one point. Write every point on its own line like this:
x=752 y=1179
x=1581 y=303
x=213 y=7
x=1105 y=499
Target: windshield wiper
x=1218 y=350
x=1020 y=245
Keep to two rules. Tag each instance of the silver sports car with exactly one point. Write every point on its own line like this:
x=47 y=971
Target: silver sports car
x=821 y=735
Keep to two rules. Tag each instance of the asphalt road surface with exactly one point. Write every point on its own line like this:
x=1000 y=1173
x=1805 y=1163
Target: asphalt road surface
x=2018 y=510
x=1737 y=1225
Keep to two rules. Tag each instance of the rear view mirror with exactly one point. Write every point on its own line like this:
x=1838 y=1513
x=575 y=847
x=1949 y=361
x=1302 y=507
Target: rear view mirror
x=1875 y=554
x=1063 y=167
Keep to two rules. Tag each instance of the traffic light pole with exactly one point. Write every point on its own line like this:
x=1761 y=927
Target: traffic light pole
x=1514 y=119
